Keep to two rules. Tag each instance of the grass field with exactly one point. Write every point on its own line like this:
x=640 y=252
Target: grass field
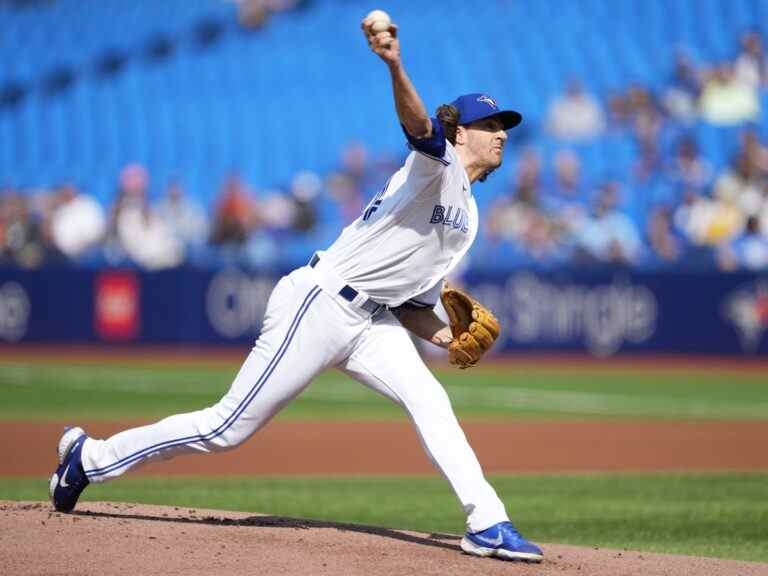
x=722 y=515
x=55 y=391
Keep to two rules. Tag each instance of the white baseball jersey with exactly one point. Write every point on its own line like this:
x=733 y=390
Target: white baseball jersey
x=412 y=234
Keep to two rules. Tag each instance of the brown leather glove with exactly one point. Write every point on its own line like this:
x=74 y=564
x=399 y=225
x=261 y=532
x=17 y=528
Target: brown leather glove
x=474 y=327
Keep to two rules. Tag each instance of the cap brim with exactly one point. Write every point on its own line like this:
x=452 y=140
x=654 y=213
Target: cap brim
x=509 y=118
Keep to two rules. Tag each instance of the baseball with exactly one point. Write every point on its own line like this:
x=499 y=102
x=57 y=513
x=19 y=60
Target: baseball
x=380 y=21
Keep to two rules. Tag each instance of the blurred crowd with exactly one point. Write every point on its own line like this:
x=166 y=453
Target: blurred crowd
x=243 y=225
x=672 y=207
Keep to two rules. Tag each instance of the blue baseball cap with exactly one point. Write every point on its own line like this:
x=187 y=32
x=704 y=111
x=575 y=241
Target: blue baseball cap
x=474 y=107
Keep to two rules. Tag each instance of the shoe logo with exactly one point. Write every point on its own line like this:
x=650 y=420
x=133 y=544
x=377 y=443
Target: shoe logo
x=495 y=542
x=63 y=481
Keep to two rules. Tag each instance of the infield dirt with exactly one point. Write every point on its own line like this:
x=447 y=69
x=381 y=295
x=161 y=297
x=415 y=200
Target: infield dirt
x=339 y=448
x=109 y=539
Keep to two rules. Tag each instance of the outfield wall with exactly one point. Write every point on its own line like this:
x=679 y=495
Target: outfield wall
x=601 y=312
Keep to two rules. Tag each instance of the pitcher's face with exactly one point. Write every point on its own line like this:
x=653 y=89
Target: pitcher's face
x=485 y=140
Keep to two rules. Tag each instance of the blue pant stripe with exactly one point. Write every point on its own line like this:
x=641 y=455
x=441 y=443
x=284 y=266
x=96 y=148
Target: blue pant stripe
x=244 y=403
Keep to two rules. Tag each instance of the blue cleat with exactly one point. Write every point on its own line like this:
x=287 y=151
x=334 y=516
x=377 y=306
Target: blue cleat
x=69 y=480
x=501 y=540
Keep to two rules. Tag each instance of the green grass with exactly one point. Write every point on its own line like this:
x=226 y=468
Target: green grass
x=47 y=390
x=720 y=515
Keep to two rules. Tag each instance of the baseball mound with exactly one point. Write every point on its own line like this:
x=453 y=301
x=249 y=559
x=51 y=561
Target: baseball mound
x=108 y=539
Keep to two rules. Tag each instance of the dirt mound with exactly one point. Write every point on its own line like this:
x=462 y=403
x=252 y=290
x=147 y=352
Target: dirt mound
x=108 y=539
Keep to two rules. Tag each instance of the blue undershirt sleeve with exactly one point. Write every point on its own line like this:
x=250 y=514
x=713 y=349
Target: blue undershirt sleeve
x=434 y=145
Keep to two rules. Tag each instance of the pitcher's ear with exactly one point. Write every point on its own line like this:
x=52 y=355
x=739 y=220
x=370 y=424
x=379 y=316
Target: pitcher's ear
x=461 y=135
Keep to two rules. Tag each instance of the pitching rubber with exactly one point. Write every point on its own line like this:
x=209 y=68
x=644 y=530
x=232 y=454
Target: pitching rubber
x=470 y=547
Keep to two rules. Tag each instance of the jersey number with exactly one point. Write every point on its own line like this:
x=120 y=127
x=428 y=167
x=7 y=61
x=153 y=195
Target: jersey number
x=375 y=203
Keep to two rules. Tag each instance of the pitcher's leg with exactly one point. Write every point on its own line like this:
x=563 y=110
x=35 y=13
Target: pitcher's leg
x=281 y=364
x=409 y=382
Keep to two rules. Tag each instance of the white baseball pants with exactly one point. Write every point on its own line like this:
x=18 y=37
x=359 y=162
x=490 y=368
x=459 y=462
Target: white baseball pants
x=307 y=328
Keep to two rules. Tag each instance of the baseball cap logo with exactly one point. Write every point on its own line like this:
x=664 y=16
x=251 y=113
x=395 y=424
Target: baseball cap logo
x=488 y=100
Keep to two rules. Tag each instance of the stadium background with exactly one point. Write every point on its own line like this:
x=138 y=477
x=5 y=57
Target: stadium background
x=161 y=164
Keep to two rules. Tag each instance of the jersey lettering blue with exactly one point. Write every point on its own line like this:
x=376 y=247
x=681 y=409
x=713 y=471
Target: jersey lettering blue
x=446 y=216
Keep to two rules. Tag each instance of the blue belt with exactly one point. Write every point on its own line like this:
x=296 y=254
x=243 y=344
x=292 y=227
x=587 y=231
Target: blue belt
x=350 y=294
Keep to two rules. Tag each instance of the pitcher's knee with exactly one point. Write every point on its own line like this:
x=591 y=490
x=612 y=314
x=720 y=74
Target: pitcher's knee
x=221 y=433
x=229 y=439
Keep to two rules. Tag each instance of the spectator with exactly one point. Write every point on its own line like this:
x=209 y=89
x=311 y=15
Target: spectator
x=639 y=102
x=706 y=221
x=576 y=115
x=665 y=245
x=689 y=171
x=77 y=221
x=565 y=200
x=131 y=195
x=235 y=216
x=511 y=216
x=305 y=188
x=684 y=89
x=764 y=212
x=646 y=122
x=739 y=186
x=148 y=240
x=253 y=14
x=638 y=111
x=618 y=111
x=541 y=238
x=608 y=236
x=20 y=239
x=349 y=186
x=135 y=231
x=727 y=101
x=565 y=196
x=185 y=217
x=520 y=219
x=683 y=213
x=749 y=251
x=342 y=190
x=294 y=212
x=277 y=211
x=750 y=65
x=755 y=152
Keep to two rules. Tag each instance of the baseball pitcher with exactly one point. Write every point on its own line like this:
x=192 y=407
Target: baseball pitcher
x=351 y=307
